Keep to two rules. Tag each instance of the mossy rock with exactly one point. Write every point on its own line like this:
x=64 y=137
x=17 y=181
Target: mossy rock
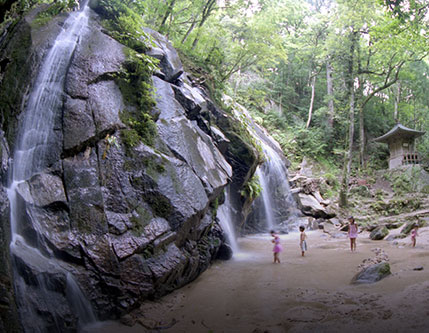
x=408 y=227
x=372 y=273
x=394 y=225
x=362 y=191
x=379 y=233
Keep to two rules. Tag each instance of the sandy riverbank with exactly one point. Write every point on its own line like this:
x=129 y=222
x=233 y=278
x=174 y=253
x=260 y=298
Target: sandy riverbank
x=312 y=294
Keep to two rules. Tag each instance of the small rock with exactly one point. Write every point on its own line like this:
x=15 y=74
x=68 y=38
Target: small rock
x=128 y=320
x=419 y=268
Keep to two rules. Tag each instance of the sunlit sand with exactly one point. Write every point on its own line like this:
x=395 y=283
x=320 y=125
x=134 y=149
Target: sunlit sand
x=302 y=294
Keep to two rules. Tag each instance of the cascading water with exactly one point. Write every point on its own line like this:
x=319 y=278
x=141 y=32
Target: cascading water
x=226 y=220
x=276 y=205
x=35 y=145
x=265 y=194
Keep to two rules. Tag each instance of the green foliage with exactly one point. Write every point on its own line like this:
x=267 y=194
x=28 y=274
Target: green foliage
x=252 y=188
x=396 y=206
x=135 y=79
x=51 y=11
x=123 y=23
x=142 y=128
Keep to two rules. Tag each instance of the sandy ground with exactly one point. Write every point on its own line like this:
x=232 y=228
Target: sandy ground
x=302 y=294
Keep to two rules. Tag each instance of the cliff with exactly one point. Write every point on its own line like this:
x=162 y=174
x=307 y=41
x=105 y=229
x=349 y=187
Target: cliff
x=130 y=217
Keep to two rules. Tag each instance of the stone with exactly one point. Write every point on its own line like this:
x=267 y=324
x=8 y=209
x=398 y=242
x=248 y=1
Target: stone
x=372 y=273
x=189 y=143
x=225 y=252
x=406 y=229
x=170 y=63
x=310 y=206
x=379 y=233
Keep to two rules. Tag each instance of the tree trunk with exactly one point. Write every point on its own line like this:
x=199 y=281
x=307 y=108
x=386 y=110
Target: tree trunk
x=167 y=14
x=207 y=10
x=397 y=100
x=189 y=31
x=361 y=138
x=348 y=156
x=310 y=110
x=330 y=92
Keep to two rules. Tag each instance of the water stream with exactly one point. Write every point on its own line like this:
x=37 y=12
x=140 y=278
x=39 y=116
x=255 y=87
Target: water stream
x=226 y=220
x=37 y=142
x=276 y=205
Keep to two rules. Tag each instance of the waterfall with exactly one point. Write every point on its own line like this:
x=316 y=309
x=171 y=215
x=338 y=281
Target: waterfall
x=37 y=141
x=226 y=220
x=276 y=204
x=265 y=194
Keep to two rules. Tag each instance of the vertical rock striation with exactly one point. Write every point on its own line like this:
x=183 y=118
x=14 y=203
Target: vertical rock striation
x=130 y=222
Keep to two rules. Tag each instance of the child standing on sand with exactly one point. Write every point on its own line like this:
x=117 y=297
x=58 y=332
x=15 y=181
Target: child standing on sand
x=414 y=234
x=302 y=240
x=352 y=233
x=277 y=246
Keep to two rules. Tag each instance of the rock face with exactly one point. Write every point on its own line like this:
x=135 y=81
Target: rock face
x=128 y=222
x=8 y=312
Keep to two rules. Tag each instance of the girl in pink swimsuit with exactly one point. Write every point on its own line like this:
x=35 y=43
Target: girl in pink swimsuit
x=277 y=246
x=352 y=233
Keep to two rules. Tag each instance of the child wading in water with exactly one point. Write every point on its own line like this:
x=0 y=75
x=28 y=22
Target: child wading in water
x=352 y=233
x=302 y=242
x=414 y=234
x=277 y=247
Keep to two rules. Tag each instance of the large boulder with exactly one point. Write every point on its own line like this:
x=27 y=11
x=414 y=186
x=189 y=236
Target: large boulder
x=311 y=206
x=372 y=273
x=379 y=233
x=170 y=62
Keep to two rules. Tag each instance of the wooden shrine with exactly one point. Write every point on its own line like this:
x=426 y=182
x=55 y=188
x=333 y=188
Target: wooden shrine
x=401 y=146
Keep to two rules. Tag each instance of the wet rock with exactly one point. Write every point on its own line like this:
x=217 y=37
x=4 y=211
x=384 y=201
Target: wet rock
x=46 y=189
x=105 y=102
x=221 y=140
x=8 y=313
x=81 y=179
x=225 y=252
x=190 y=143
x=170 y=63
x=372 y=273
x=379 y=233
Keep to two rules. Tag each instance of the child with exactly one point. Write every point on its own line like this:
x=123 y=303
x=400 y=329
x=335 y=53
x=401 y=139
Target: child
x=352 y=233
x=414 y=234
x=277 y=247
x=302 y=242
